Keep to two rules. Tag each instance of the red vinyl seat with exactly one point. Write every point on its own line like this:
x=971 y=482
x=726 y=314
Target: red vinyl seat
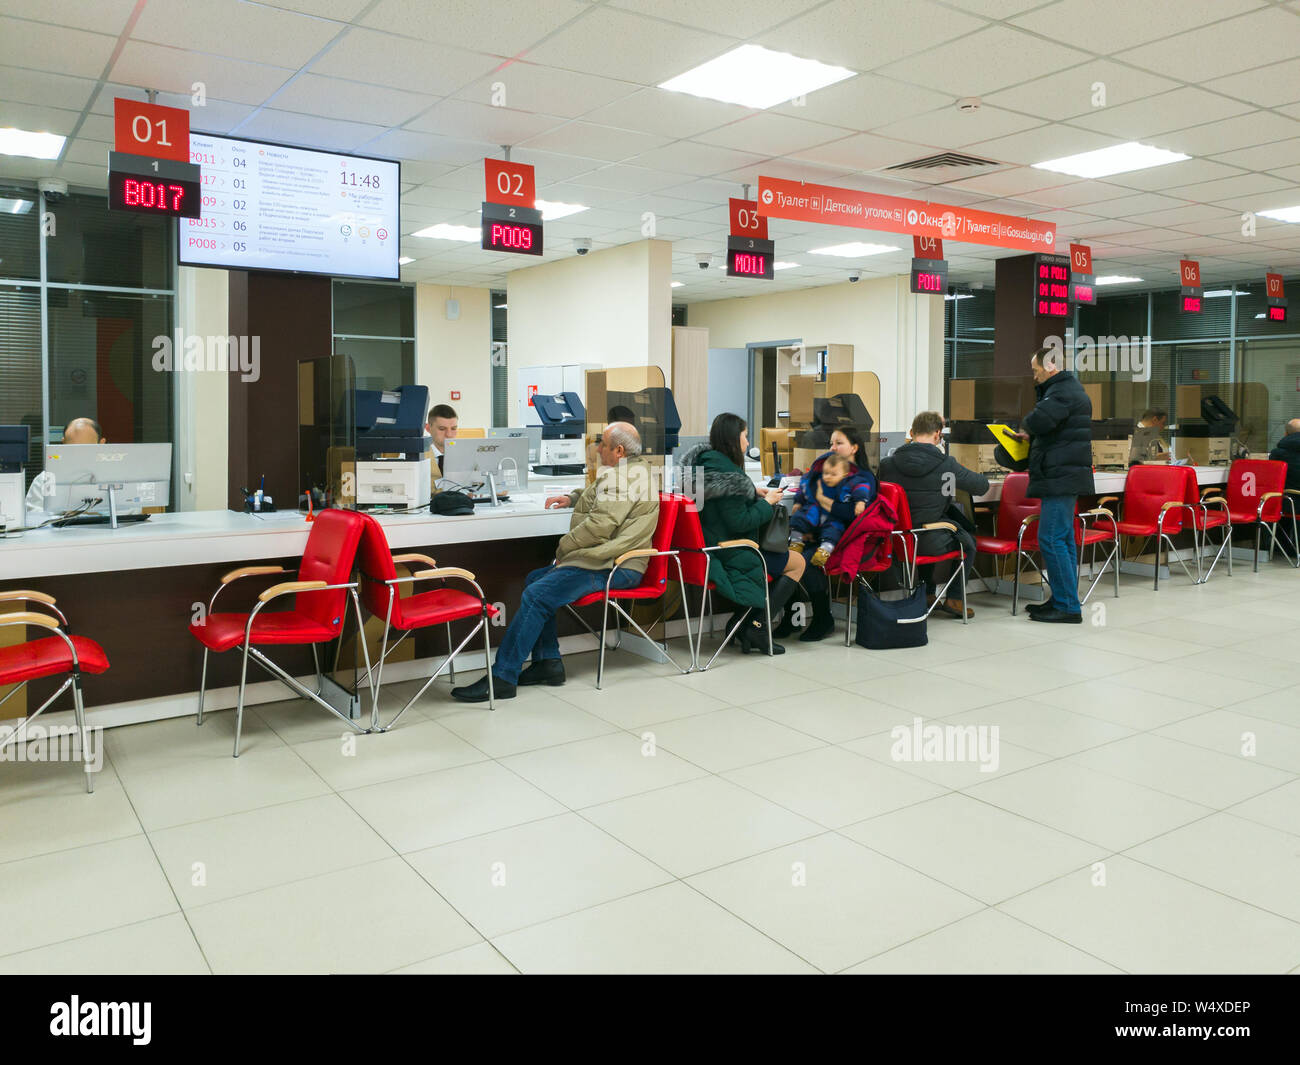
x=320 y=599
x=653 y=583
x=1015 y=530
x=439 y=605
x=47 y=656
x=910 y=540
x=1160 y=502
x=1253 y=495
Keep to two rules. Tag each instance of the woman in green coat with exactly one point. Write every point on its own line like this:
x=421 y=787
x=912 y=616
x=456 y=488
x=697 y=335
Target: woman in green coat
x=731 y=508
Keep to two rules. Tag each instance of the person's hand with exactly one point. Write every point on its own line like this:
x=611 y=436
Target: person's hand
x=859 y=508
x=1021 y=435
x=773 y=495
x=558 y=502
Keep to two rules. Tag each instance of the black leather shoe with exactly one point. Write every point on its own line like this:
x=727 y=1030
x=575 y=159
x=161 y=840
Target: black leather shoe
x=478 y=691
x=547 y=671
x=1038 y=608
x=1057 y=617
x=819 y=628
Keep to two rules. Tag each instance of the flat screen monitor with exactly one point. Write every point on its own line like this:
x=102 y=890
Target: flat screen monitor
x=140 y=473
x=275 y=207
x=467 y=462
x=531 y=433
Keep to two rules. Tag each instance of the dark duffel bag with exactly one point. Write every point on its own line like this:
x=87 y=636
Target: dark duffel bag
x=884 y=623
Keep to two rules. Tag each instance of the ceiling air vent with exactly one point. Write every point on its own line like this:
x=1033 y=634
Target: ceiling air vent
x=946 y=166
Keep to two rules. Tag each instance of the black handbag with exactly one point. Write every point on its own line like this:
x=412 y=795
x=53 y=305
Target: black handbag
x=776 y=536
x=884 y=624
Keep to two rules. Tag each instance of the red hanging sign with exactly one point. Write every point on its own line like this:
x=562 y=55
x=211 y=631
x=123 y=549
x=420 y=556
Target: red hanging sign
x=151 y=130
x=1273 y=283
x=509 y=183
x=745 y=221
x=1189 y=273
x=1080 y=259
x=927 y=248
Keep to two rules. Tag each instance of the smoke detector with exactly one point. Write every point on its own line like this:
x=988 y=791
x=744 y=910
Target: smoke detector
x=968 y=103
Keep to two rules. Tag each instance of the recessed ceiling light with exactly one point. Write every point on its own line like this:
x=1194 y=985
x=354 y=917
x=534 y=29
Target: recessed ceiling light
x=33 y=145
x=1282 y=214
x=1118 y=159
x=552 y=210
x=443 y=231
x=1115 y=279
x=756 y=77
x=404 y=260
x=678 y=284
x=856 y=248
x=17 y=206
x=784 y=266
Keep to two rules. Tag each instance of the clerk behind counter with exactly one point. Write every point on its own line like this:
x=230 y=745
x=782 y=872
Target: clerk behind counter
x=77 y=431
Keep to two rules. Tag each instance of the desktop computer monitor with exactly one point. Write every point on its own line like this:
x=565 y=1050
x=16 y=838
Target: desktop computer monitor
x=531 y=433
x=140 y=474
x=467 y=462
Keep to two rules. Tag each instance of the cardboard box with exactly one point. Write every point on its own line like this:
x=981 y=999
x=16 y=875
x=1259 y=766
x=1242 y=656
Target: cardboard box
x=977 y=457
x=961 y=400
x=803 y=457
x=1203 y=450
x=784 y=440
x=1111 y=453
x=1095 y=392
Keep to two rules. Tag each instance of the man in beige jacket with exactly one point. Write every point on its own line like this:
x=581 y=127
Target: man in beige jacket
x=616 y=514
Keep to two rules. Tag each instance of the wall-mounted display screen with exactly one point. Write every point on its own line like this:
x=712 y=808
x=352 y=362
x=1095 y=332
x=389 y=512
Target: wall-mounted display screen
x=929 y=275
x=274 y=207
x=1051 y=286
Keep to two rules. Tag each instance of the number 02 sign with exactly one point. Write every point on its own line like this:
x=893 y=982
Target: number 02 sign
x=509 y=183
x=151 y=130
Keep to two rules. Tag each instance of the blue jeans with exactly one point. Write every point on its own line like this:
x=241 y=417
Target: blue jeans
x=546 y=590
x=1060 y=553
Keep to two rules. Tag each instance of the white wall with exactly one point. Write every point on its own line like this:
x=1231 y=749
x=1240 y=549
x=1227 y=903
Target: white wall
x=200 y=450
x=896 y=335
x=612 y=307
x=457 y=355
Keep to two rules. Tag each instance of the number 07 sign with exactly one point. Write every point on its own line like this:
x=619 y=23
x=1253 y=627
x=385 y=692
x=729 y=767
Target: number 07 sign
x=151 y=130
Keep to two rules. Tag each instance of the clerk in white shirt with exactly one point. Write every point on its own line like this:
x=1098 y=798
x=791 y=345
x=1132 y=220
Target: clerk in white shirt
x=441 y=426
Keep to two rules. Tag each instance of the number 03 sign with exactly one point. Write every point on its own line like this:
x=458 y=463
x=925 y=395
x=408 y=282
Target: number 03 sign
x=151 y=130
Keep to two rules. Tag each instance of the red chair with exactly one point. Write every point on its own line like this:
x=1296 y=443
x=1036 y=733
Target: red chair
x=48 y=657
x=695 y=558
x=380 y=591
x=320 y=600
x=653 y=584
x=871 y=562
x=1253 y=495
x=1157 y=505
x=910 y=537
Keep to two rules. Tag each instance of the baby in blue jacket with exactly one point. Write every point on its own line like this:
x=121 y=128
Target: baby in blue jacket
x=832 y=494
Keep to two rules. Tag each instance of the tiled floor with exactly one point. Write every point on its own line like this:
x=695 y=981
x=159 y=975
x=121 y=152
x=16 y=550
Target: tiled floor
x=1143 y=815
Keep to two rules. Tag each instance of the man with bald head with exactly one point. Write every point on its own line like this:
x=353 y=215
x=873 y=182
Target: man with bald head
x=1288 y=451
x=616 y=514
x=83 y=431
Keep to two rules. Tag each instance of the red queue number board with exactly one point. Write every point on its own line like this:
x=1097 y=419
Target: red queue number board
x=744 y=219
x=151 y=130
x=1273 y=286
x=1051 y=286
x=927 y=248
x=1189 y=273
x=509 y=183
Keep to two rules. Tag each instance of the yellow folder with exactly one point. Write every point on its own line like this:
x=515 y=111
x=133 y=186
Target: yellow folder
x=1005 y=435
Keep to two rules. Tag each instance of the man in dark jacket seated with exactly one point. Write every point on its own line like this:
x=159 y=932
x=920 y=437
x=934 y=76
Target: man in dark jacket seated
x=1059 y=431
x=1288 y=451
x=931 y=481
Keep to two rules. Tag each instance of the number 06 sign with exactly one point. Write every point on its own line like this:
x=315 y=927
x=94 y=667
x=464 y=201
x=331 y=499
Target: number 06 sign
x=151 y=130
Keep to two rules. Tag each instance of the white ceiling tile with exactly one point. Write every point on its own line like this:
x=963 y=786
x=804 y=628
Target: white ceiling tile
x=502 y=125
x=755 y=17
x=770 y=134
x=1290 y=109
x=629 y=178
x=1067 y=93
x=344 y=10
x=594 y=142
x=1102 y=25
x=1167 y=111
x=545 y=90
x=407 y=144
x=1136 y=203
x=865 y=102
x=860 y=36
x=172 y=70
x=996 y=9
x=863 y=151
x=103 y=16
x=403 y=63
x=509 y=30
x=1175 y=174
x=288 y=127
x=618 y=44
x=991 y=59
x=1012 y=182
x=1041 y=144
x=38 y=45
x=1233 y=187
x=552 y=166
x=1289 y=173
x=1266 y=156
x=952 y=129
x=1267 y=86
x=671 y=114
x=236 y=30
x=1074 y=193
x=39 y=119
x=350 y=100
x=688 y=157
x=49 y=90
x=790 y=169
x=703 y=190
x=1268 y=35
x=565 y=192
x=1178 y=216
x=1230 y=134
x=215 y=116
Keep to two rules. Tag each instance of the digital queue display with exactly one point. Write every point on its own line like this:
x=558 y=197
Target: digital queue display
x=929 y=276
x=751 y=257
x=1277 y=312
x=153 y=186
x=1051 y=286
x=276 y=207
x=511 y=228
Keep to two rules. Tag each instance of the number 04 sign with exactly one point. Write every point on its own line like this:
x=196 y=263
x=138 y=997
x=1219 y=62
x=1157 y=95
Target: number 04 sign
x=151 y=130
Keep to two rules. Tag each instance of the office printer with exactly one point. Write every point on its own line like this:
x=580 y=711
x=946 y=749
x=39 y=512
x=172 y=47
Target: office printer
x=564 y=426
x=393 y=456
x=14 y=440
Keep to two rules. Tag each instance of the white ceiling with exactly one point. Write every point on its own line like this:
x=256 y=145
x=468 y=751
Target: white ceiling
x=412 y=80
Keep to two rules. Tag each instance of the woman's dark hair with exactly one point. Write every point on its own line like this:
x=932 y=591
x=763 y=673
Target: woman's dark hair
x=851 y=434
x=724 y=436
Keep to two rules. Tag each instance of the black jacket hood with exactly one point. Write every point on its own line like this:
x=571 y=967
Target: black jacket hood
x=918 y=460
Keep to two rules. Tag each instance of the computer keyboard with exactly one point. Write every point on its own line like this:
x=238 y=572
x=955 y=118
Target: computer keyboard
x=98 y=519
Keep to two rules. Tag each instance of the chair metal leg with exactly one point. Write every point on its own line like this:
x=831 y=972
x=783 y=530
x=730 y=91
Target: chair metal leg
x=452 y=670
x=203 y=685
x=604 y=625
x=239 y=706
x=487 y=659
x=848 y=617
x=1258 y=527
x=80 y=710
x=320 y=677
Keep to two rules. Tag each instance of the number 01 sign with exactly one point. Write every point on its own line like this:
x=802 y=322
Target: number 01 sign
x=151 y=130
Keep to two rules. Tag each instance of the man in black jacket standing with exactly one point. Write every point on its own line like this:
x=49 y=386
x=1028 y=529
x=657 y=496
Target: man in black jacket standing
x=1059 y=431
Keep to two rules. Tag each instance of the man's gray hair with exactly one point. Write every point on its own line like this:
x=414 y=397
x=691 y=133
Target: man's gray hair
x=620 y=434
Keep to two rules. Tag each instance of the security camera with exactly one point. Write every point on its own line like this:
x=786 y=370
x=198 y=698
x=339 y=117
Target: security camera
x=703 y=259
x=582 y=245
x=54 y=188
x=854 y=275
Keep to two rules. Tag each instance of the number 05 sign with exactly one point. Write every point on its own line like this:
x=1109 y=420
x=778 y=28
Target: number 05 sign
x=151 y=130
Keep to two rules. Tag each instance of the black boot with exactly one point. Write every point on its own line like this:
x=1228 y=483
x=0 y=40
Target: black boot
x=753 y=637
x=548 y=671
x=822 y=624
x=779 y=596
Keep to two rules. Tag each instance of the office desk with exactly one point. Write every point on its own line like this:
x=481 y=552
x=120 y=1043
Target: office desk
x=1112 y=483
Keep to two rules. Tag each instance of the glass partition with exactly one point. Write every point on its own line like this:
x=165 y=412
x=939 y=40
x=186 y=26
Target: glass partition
x=848 y=400
x=639 y=396
x=327 y=430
